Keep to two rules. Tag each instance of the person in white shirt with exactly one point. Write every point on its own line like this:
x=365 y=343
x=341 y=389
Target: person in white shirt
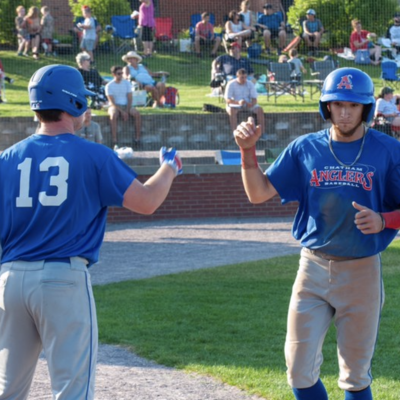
x=119 y=95
x=89 y=32
x=241 y=94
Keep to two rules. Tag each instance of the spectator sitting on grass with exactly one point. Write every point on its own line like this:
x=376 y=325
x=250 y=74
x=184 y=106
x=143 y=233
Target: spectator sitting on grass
x=360 y=39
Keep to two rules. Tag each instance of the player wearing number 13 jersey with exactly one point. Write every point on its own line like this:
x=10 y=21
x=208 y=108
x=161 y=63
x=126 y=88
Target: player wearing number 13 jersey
x=55 y=189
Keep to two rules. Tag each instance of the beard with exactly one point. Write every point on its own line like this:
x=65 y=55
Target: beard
x=348 y=133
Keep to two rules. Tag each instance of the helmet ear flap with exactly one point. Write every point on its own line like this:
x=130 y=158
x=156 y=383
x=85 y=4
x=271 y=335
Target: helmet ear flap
x=324 y=110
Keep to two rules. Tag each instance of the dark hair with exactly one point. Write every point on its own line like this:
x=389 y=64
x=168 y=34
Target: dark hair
x=49 y=115
x=205 y=14
x=232 y=14
x=241 y=71
x=115 y=68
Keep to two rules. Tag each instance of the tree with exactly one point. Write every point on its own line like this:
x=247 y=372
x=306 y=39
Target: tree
x=336 y=16
x=103 y=10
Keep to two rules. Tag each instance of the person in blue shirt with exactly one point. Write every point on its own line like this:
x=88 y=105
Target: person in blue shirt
x=312 y=32
x=346 y=182
x=55 y=192
x=272 y=26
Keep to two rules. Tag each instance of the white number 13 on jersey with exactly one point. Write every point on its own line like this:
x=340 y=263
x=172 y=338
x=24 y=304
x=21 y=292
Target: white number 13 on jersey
x=59 y=181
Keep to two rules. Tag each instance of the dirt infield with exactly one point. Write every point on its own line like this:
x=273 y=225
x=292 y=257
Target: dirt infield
x=143 y=250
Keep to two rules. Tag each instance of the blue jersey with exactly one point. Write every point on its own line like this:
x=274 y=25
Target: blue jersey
x=307 y=172
x=54 y=195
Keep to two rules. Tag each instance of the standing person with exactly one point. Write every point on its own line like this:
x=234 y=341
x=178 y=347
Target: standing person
x=47 y=30
x=342 y=178
x=88 y=27
x=55 y=192
x=312 y=32
x=32 y=23
x=241 y=94
x=90 y=130
x=298 y=65
x=147 y=24
x=119 y=95
x=22 y=32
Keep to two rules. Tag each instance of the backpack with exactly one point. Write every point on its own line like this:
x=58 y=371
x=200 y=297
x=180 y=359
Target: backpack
x=362 y=57
x=170 y=98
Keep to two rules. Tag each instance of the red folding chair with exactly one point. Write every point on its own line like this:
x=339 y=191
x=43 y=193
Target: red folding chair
x=163 y=31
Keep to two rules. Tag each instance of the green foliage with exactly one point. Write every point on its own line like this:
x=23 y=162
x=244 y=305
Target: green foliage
x=336 y=16
x=101 y=9
x=7 y=18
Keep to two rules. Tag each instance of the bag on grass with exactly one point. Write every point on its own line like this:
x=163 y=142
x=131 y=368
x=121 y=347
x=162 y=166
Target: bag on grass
x=362 y=57
x=170 y=97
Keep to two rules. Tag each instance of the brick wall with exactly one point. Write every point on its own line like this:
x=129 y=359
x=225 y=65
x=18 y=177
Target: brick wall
x=179 y=10
x=208 y=195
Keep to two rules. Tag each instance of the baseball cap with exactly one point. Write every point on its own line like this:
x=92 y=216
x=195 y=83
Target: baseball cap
x=267 y=5
x=235 y=44
x=386 y=90
x=311 y=12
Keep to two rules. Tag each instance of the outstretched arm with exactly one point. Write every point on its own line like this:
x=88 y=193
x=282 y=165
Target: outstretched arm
x=257 y=185
x=146 y=198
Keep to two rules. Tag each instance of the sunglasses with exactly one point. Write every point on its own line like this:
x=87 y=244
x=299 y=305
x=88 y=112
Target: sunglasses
x=118 y=73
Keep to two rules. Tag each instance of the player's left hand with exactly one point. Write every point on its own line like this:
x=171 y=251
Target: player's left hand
x=367 y=220
x=171 y=157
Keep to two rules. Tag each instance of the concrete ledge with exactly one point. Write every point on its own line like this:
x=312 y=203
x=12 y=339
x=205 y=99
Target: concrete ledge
x=184 y=131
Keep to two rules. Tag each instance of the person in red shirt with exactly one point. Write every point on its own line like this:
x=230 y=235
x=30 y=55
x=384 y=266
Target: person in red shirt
x=205 y=35
x=361 y=39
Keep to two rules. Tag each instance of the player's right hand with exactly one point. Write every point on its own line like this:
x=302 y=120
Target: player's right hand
x=247 y=134
x=171 y=157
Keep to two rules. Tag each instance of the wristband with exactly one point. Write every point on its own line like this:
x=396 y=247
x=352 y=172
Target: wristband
x=383 y=222
x=249 y=158
x=392 y=219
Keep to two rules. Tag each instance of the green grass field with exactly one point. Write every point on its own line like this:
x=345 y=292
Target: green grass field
x=230 y=322
x=189 y=74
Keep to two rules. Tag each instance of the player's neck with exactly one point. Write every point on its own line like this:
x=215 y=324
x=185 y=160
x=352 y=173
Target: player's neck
x=56 y=128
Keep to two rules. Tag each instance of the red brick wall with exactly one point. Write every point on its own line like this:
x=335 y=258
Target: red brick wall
x=206 y=196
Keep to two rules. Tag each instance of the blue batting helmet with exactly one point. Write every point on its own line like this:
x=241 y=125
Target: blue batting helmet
x=58 y=87
x=348 y=84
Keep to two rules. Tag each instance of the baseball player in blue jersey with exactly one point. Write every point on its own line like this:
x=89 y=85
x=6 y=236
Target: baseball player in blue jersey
x=54 y=193
x=342 y=178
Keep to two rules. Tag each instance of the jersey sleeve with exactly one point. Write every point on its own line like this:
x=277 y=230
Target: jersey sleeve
x=284 y=174
x=115 y=178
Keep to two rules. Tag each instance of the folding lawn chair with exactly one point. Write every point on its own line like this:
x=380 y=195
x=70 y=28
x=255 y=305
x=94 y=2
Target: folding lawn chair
x=124 y=31
x=282 y=82
x=320 y=69
x=389 y=74
x=163 y=31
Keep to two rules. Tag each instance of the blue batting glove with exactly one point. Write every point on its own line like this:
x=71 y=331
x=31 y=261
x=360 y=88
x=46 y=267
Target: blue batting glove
x=171 y=157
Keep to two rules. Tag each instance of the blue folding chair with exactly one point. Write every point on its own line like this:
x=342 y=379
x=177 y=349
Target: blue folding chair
x=124 y=31
x=389 y=74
